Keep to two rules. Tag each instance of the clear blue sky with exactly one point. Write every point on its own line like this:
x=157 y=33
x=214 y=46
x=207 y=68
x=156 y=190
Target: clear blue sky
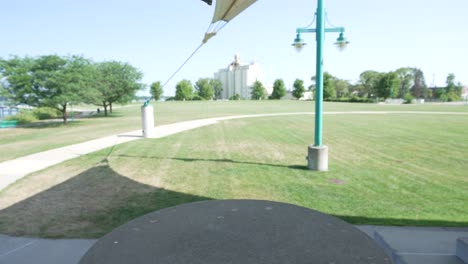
x=156 y=36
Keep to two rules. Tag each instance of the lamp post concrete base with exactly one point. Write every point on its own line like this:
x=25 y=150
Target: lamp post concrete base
x=317 y=158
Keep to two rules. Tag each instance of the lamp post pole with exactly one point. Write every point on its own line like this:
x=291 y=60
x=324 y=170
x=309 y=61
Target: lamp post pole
x=320 y=32
x=317 y=158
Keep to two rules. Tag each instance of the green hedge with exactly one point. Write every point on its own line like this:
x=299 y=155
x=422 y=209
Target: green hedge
x=23 y=117
x=26 y=116
x=43 y=113
x=353 y=99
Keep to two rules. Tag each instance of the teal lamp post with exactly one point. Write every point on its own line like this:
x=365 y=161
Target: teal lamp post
x=317 y=158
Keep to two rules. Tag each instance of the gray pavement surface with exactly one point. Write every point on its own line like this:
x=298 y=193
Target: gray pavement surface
x=462 y=249
x=408 y=245
x=419 y=245
x=20 y=250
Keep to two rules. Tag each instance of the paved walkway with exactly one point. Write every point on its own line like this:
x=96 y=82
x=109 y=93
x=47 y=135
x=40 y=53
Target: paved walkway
x=411 y=245
x=405 y=245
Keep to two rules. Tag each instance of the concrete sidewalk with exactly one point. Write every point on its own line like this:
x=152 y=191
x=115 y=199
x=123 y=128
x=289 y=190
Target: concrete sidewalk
x=21 y=250
x=405 y=245
x=420 y=245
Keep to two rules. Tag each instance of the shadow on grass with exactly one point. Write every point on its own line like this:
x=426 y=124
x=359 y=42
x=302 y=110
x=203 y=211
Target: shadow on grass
x=87 y=205
x=102 y=115
x=294 y=167
x=350 y=219
x=362 y=220
x=50 y=124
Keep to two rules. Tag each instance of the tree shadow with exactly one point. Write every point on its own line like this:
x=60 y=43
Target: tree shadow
x=88 y=205
x=350 y=219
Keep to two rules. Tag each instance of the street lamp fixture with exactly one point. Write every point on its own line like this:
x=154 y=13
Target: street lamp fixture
x=341 y=42
x=317 y=158
x=299 y=43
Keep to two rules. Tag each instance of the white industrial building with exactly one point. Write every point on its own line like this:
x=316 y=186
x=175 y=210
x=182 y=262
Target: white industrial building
x=239 y=79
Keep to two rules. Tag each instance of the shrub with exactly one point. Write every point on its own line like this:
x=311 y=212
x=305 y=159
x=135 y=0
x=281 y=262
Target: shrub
x=452 y=96
x=443 y=98
x=353 y=99
x=46 y=113
x=197 y=98
x=23 y=117
x=235 y=97
x=408 y=98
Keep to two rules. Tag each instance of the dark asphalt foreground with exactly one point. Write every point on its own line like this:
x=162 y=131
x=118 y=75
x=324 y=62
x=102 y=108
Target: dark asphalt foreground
x=236 y=231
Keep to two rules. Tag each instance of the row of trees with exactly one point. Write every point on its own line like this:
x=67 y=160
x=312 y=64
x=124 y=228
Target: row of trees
x=407 y=83
x=403 y=83
x=204 y=89
x=58 y=81
x=279 y=90
x=209 y=89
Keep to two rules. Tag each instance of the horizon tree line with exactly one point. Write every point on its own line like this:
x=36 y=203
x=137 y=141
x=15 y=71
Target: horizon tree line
x=406 y=83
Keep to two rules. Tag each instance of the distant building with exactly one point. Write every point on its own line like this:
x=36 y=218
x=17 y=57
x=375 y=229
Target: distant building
x=465 y=92
x=239 y=79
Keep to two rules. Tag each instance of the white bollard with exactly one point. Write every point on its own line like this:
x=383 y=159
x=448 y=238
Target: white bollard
x=147 y=120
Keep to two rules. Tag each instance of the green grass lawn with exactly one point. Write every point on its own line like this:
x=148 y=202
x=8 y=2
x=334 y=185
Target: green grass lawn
x=19 y=142
x=400 y=169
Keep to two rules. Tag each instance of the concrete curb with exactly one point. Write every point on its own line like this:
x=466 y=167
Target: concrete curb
x=462 y=249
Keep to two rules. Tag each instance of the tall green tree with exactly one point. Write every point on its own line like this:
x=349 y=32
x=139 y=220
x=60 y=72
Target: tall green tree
x=299 y=89
x=184 y=90
x=388 y=86
x=19 y=80
x=329 y=90
x=279 y=90
x=341 y=88
x=217 y=88
x=204 y=88
x=368 y=83
x=156 y=90
x=419 y=88
x=406 y=76
x=114 y=82
x=258 y=91
x=50 y=81
x=453 y=90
